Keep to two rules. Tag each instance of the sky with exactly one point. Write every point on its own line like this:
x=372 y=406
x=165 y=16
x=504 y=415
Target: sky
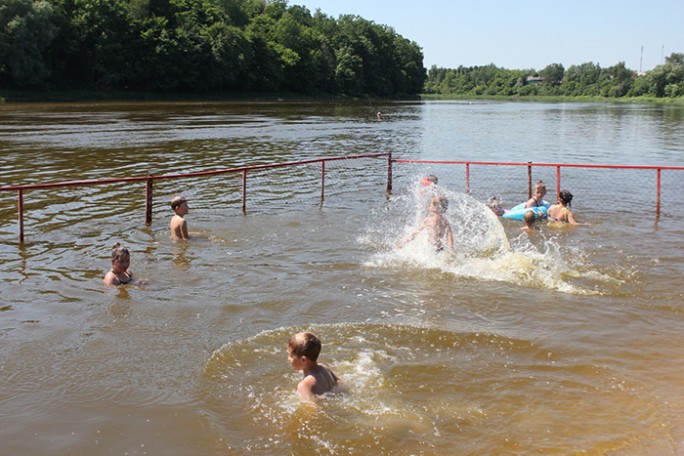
x=521 y=34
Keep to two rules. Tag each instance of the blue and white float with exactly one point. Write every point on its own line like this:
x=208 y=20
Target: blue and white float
x=518 y=212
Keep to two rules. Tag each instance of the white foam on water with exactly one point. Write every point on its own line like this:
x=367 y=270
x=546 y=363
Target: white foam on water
x=482 y=249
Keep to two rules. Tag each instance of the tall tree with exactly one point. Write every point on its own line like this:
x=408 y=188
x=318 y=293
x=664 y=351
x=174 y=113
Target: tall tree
x=26 y=31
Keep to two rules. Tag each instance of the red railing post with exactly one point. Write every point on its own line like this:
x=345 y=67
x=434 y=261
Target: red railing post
x=658 y=172
x=322 y=180
x=148 y=200
x=389 y=172
x=529 y=179
x=244 y=191
x=558 y=182
x=467 y=189
x=20 y=210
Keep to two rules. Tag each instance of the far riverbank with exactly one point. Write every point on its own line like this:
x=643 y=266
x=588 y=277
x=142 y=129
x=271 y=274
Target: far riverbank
x=70 y=96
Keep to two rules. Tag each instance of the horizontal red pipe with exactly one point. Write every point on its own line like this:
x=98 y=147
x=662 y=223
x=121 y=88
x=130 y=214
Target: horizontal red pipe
x=562 y=165
x=195 y=174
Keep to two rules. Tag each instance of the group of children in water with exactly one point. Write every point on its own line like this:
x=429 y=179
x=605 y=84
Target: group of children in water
x=303 y=348
x=558 y=213
x=438 y=228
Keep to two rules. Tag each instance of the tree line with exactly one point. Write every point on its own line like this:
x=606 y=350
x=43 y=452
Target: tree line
x=587 y=79
x=202 y=46
x=265 y=46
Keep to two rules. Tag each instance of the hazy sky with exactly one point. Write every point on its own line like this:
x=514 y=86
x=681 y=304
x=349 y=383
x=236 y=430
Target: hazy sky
x=521 y=34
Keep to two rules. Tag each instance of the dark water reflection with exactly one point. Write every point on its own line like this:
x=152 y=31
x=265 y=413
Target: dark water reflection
x=567 y=341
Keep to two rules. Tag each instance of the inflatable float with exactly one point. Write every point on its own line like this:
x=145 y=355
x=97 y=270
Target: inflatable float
x=518 y=212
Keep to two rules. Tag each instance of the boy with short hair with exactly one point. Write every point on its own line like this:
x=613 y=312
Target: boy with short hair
x=179 y=226
x=302 y=353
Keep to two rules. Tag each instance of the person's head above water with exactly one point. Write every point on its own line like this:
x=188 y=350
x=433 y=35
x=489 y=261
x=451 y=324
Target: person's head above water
x=120 y=254
x=305 y=344
x=178 y=201
x=565 y=197
x=540 y=188
x=440 y=203
x=429 y=180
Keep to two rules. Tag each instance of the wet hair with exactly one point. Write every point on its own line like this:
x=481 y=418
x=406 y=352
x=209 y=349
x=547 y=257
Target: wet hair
x=565 y=197
x=530 y=217
x=177 y=201
x=119 y=252
x=305 y=344
x=440 y=203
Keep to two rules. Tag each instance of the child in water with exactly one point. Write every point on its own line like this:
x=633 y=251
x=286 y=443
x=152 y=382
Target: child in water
x=537 y=196
x=495 y=206
x=120 y=272
x=436 y=225
x=179 y=226
x=429 y=180
x=560 y=212
x=302 y=353
x=529 y=218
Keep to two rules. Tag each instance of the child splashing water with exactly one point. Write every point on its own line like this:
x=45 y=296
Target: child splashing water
x=436 y=225
x=484 y=251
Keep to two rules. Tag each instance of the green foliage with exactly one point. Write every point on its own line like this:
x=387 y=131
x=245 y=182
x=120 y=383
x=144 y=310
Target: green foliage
x=27 y=29
x=585 y=80
x=202 y=46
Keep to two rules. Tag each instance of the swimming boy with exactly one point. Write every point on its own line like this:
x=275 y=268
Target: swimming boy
x=302 y=353
x=179 y=226
x=436 y=225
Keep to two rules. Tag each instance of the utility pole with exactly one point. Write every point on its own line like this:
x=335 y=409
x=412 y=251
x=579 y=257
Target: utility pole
x=641 y=59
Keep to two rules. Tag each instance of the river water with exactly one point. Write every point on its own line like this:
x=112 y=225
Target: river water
x=565 y=341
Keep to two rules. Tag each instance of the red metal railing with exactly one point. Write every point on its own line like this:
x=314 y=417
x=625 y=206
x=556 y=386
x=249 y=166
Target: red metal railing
x=658 y=169
x=149 y=182
x=244 y=170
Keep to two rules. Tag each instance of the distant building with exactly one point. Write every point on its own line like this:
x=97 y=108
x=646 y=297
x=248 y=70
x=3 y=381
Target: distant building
x=534 y=80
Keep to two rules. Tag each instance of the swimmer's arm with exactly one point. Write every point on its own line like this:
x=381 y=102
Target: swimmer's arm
x=111 y=279
x=184 y=230
x=572 y=221
x=530 y=203
x=413 y=235
x=305 y=388
x=450 y=239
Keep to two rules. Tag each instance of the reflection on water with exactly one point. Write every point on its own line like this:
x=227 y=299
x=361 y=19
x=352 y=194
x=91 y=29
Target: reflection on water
x=563 y=341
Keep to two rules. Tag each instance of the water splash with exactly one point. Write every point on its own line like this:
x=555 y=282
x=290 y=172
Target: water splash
x=482 y=248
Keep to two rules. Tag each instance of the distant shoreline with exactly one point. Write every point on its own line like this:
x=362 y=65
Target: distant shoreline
x=558 y=99
x=84 y=96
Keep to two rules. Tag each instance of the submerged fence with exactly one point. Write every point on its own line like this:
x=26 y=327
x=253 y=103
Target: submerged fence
x=638 y=188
